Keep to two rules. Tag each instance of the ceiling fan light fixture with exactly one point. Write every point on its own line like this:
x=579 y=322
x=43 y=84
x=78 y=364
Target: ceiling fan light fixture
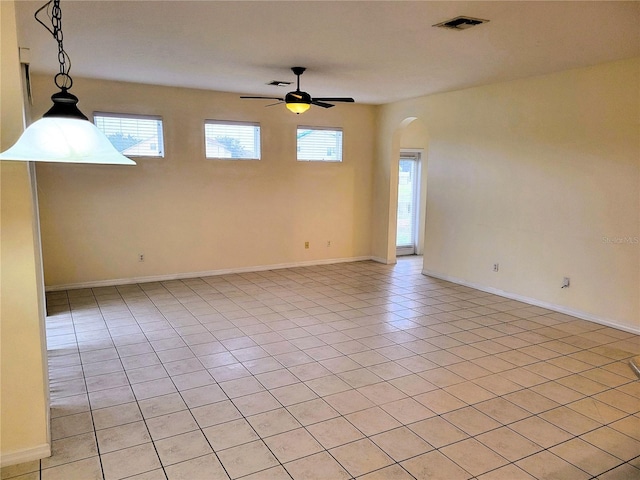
x=298 y=102
x=298 y=108
x=64 y=134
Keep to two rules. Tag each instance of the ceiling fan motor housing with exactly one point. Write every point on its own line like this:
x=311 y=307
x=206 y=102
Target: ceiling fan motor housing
x=297 y=97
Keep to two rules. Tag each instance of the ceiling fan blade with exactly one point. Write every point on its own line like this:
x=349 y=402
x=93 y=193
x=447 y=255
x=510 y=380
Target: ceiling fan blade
x=321 y=104
x=335 y=99
x=272 y=104
x=265 y=98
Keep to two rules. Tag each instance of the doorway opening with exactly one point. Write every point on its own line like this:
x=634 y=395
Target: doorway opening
x=407 y=232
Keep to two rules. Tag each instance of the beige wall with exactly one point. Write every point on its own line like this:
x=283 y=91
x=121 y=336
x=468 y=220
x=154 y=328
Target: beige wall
x=532 y=174
x=188 y=214
x=24 y=421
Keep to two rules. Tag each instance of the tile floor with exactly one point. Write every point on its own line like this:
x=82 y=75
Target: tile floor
x=356 y=370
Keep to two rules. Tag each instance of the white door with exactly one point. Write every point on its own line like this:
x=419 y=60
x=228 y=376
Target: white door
x=408 y=195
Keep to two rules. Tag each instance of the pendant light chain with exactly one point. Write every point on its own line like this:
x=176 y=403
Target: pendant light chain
x=62 y=80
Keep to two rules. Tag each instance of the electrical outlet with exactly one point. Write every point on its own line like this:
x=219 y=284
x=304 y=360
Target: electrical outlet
x=306 y=244
x=496 y=267
x=141 y=257
x=566 y=282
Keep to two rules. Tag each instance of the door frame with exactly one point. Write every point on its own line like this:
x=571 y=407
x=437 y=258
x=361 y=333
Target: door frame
x=414 y=154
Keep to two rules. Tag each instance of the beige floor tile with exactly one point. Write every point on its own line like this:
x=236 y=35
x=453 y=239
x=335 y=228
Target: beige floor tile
x=360 y=457
x=435 y=466
x=508 y=443
x=241 y=386
x=550 y=467
x=312 y=411
x=71 y=449
x=623 y=472
x=372 y=420
x=123 y=436
x=154 y=388
x=473 y=456
x=508 y=472
x=172 y=424
x=328 y=385
x=401 y=444
x=180 y=448
x=20 y=469
x=292 y=445
x=585 y=456
x=130 y=461
x=613 y=442
x=163 y=405
x=620 y=400
x=319 y=466
x=87 y=469
x=256 y=403
x=439 y=401
x=381 y=393
x=597 y=410
x=348 y=402
x=540 y=431
x=230 y=434
x=412 y=385
x=469 y=392
x=207 y=466
x=292 y=394
x=70 y=425
x=393 y=472
x=570 y=420
x=246 y=459
x=441 y=377
x=334 y=432
x=273 y=473
x=116 y=415
x=438 y=432
x=531 y=401
x=273 y=422
x=204 y=395
x=407 y=410
x=502 y=410
x=471 y=421
x=277 y=378
x=629 y=426
x=215 y=413
x=582 y=384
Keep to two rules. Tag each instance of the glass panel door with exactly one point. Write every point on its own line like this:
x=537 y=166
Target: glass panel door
x=406 y=235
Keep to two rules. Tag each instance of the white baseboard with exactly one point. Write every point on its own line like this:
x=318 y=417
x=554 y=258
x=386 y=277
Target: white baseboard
x=25 y=455
x=382 y=260
x=538 y=303
x=209 y=273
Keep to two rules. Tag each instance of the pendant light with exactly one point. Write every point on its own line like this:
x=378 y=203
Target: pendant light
x=64 y=134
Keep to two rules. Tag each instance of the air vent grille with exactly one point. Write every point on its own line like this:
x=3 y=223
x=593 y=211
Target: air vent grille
x=461 y=23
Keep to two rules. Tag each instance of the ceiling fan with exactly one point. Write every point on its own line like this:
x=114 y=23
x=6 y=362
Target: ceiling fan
x=299 y=101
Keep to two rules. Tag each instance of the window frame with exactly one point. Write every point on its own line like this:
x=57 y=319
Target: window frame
x=135 y=116
x=318 y=128
x=241 y=123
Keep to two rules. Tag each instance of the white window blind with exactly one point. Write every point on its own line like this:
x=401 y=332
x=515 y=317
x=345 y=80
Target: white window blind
x=132 y=135
x=319 y=144
x=232 y=140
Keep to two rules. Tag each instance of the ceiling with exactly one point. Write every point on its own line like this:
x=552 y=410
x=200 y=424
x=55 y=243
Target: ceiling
x=374 y=51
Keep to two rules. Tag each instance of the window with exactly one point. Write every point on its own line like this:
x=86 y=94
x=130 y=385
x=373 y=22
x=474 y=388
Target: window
x=232 y=140
x=319 y=144
x=132 y=135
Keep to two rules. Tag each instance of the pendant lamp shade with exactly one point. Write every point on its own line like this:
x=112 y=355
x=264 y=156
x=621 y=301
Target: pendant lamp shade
x=67 y=140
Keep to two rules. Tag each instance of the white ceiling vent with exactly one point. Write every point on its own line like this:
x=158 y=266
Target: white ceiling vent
x=461 y=23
